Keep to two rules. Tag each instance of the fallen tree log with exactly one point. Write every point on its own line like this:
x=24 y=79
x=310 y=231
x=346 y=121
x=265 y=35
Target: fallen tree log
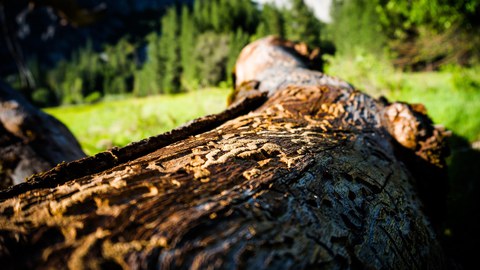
x=298 y=176
x=31 y=141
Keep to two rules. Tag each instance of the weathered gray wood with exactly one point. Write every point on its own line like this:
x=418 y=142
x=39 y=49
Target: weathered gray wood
x=319 y=175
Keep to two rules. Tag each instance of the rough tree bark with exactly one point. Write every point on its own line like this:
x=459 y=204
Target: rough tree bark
x=301 y=172
x=31 y=141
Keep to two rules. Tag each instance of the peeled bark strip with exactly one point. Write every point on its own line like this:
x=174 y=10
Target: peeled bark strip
x=315 y=177
x=31 y=141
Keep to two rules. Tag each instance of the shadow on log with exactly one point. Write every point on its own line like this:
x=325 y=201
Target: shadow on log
x=302 y=172
x=31 y=141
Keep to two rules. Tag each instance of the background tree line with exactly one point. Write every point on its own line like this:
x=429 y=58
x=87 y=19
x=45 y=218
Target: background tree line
x=196 y=45
x=416 y=35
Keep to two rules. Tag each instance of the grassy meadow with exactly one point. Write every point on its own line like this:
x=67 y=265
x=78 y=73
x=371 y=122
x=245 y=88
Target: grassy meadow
x=113 y=122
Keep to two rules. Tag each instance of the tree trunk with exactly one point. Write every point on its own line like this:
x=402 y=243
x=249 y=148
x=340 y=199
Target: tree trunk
x=316 y=175
x=31 y=141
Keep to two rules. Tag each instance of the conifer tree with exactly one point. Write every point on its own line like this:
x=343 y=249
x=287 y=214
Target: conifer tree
x=211 y=54
x=356 y=25
x=238 y=40
x=169 y=52
x=271 y=22
x=148 y=80
x=215 y=11
x=117 y=68
x=187 y=46
x=202 y=15
x=226 y=12
x=302 y=24
x=246 y=15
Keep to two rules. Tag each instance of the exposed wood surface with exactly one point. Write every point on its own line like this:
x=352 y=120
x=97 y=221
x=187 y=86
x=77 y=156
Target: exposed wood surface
x=319 y=175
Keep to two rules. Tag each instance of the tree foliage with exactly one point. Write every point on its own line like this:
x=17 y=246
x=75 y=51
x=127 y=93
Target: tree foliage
x=194 y=46
x=272 y=22
x=438 y=15
x=197 y=45
x=147 y=80
x=418 y=34
x=169 y=53
x=302 y=25
x=356 y=27
x=211 y=54
x=188 y=34
x=238 y=40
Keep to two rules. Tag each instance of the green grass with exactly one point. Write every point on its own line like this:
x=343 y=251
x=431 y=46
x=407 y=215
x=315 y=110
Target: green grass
x=118 y=122
x=456 y=109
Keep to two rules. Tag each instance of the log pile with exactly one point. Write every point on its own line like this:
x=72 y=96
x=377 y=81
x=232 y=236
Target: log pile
x=301 y=172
